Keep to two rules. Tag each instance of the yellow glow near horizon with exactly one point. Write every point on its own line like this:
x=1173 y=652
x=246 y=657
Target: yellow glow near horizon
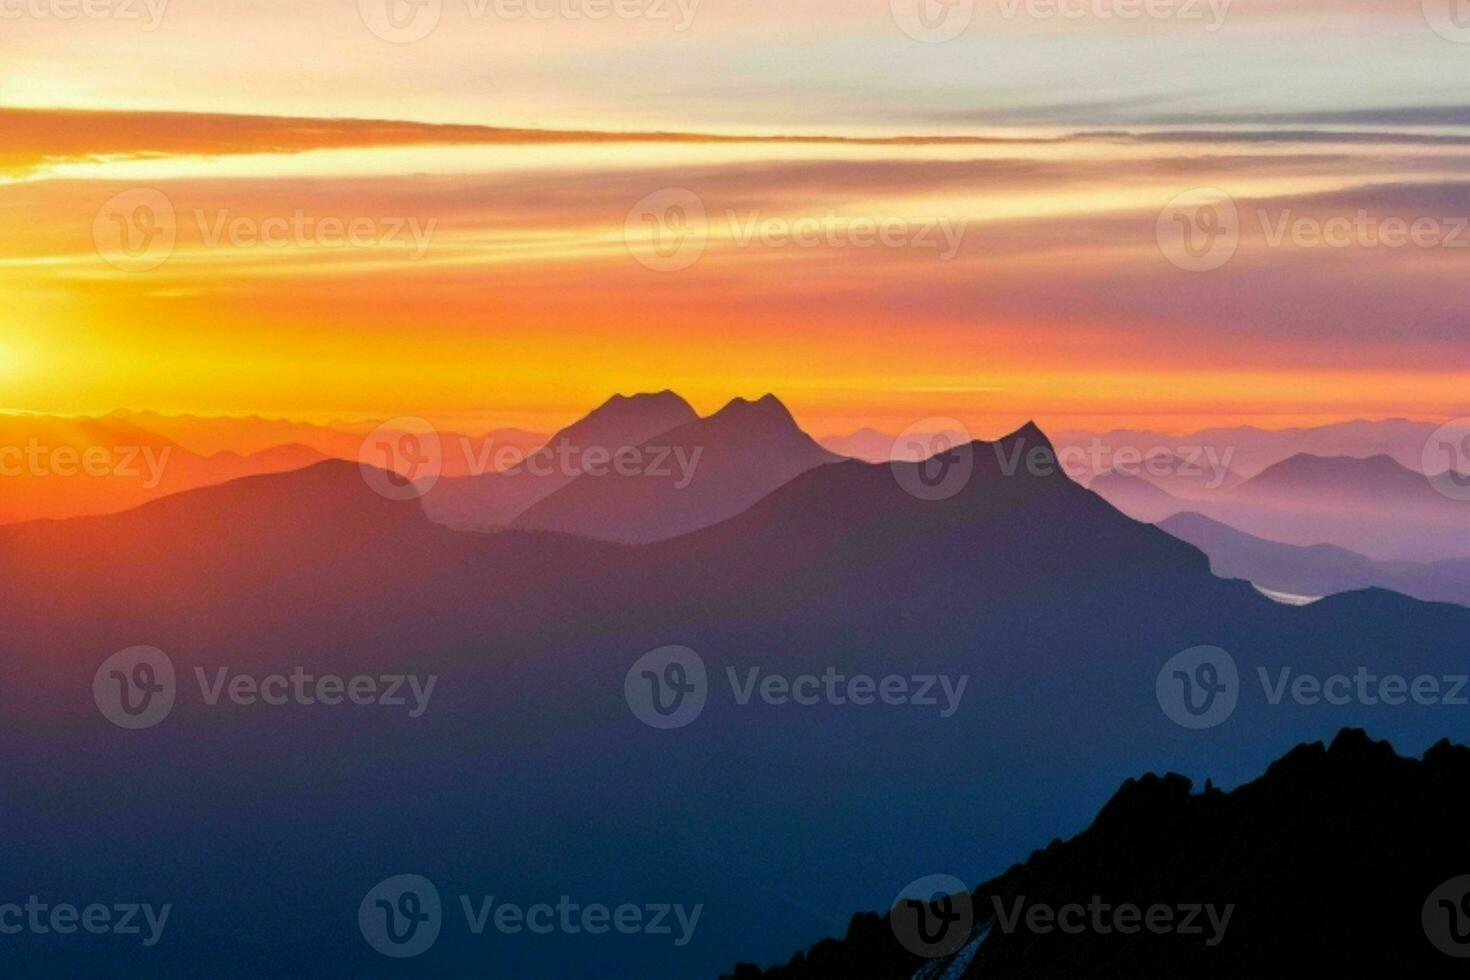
x=523 y=302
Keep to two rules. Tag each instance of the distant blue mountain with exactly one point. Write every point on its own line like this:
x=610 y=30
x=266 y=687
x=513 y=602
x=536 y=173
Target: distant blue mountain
x=529 y=777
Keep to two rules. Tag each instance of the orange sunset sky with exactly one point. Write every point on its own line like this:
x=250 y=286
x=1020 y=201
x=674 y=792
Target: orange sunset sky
x=507 y=176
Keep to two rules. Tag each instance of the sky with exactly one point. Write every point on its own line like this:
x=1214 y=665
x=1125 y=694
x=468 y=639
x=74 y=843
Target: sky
x=1171 y=213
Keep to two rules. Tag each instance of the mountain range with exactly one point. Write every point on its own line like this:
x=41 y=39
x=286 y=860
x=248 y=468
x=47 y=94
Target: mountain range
x=1316 y=570
x=1370 y=505
x=778 y=817
x=1261 y=867
x=53 y=467
x=494 y=500
x=690 y=477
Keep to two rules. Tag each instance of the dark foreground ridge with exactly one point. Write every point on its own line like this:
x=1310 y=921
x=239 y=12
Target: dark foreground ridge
x=1328 y=860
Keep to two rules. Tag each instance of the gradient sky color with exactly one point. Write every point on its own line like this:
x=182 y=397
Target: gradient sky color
x=526 y=151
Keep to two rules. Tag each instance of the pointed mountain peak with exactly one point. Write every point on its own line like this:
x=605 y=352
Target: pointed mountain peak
x=1027 y=435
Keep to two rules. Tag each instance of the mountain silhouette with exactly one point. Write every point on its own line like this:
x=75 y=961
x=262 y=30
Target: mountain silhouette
x=1335 y=843
x=1137 y=497
x=779 y=817
x=56 y=468
x=1373 y=505
x=1251 y=449
x=1317 y=570
x=872 y=446
x=493 y=500
x=689 y=477
x=1190 y=478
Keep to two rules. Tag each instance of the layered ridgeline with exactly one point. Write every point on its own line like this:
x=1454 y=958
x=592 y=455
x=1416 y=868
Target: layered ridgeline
x=495 y=499
x=1025 y=622
x=53 y=467
x=638 y=469
x=1330 y=864
x=690 y=477
x=1372 y=506
x=1317 y=570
